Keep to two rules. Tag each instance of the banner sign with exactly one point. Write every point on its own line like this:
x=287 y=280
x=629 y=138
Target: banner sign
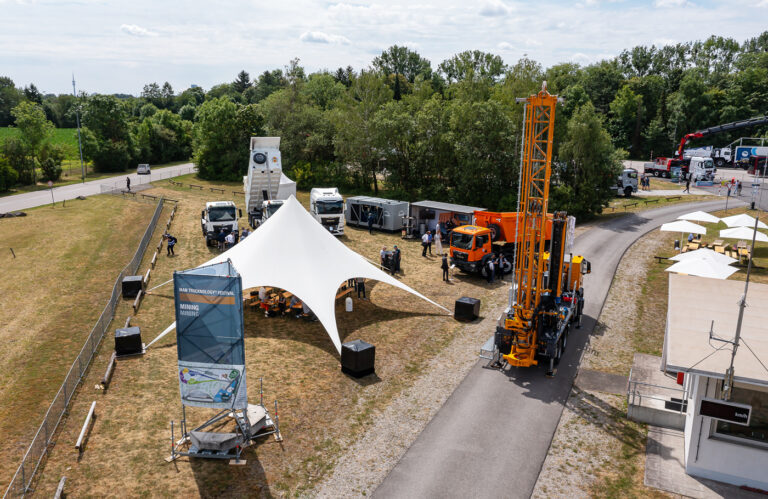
x=209 y=337
x=730 y=412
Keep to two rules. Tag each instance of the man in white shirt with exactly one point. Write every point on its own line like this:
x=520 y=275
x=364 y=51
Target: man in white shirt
x=424 y=244
x=230 y=240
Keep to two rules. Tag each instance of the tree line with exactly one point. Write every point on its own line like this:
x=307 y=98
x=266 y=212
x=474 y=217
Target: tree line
x=403 y=128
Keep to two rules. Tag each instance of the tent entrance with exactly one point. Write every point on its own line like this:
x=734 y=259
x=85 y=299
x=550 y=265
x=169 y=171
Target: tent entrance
x=243 y=427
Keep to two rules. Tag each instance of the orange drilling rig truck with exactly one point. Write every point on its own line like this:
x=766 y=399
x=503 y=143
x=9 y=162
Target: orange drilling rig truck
x=547 y=296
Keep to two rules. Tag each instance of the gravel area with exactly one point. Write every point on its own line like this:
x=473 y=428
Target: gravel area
x=367 y=461
x=591 y=430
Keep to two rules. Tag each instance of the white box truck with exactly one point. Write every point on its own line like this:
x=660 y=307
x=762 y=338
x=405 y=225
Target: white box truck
x=218 y=216
x=327 y=206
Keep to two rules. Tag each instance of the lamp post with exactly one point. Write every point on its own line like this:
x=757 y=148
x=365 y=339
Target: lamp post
x=77 y=117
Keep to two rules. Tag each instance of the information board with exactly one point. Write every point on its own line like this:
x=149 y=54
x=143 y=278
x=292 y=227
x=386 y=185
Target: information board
x=730 y=412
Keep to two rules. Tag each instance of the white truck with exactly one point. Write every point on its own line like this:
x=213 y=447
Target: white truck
x=327 y=206
x=269 y=208
x=626 y=183
x=217 y=217
x=701 y=168
x=265 y=182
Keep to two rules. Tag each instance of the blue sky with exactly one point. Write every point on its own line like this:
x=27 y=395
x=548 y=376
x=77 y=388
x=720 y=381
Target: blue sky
x=118 y=46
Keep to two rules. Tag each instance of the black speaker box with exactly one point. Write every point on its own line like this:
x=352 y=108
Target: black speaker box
x=466 y=309
x=357 y=358
x=132 y=284
x=128 y=341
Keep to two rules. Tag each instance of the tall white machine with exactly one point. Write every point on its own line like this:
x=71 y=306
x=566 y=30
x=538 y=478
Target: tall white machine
x=265 y=169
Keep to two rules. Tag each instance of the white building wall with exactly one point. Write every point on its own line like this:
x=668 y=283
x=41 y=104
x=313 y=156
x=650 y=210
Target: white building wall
x=718 y=459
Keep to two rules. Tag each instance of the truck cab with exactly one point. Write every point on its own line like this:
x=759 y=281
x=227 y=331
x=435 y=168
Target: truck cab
x=217 y=217
x=470 y=247
x=701 y=168
x=269 y=208
x=327 y=207
x=626 y=183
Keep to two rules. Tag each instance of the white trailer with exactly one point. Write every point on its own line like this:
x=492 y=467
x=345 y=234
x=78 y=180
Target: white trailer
x=327 y=206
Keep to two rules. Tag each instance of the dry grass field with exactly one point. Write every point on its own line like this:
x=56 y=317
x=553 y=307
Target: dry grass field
x=51 y=293
x=321 y=410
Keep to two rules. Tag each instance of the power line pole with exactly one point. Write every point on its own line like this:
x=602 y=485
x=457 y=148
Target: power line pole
x=77 y=117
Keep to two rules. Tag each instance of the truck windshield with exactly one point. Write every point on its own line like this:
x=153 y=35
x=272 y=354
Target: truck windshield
x=461 y=241
x=221 y=214
x=330 y=207
x=272 y=209
x=708 y=163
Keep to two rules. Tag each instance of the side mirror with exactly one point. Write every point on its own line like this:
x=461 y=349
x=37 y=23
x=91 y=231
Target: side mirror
x=202 y=214
x=240 y=211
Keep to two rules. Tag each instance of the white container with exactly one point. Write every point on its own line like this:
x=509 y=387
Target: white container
x=348 y=303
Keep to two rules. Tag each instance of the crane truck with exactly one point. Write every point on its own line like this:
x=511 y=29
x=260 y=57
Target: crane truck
x=662 y=167
x=547 y=296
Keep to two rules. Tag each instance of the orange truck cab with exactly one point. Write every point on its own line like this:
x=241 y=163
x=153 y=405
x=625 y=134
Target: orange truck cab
x=492 y=234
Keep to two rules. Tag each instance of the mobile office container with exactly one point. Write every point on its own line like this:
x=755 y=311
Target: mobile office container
x=387 y=213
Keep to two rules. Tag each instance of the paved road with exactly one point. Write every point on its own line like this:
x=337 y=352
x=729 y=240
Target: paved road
x=38 y=198
x=492 y=435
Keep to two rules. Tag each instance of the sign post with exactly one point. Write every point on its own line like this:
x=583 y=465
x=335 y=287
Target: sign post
x=50 y=186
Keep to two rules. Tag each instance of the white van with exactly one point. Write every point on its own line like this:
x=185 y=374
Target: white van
x=143 y=169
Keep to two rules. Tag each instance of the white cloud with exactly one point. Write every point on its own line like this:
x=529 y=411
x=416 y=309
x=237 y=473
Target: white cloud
x=320 y=37
x=762 y=3
x=505 y=46
x=671 y=3
x=494 y=8
x=135 y=30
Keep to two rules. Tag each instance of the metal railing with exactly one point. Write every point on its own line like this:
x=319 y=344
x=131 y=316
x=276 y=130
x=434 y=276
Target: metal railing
x=21 y=482
x=638 y=392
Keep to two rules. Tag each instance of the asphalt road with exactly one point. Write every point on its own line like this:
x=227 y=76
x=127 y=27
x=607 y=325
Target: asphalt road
x=492 y=435
x=37 y=198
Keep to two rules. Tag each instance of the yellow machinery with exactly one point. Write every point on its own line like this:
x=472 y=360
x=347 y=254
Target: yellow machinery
x=547 y=296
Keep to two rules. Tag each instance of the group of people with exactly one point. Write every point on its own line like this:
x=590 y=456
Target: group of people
x=732 y=188
x=227 y=240
x=275 y=303
x=428 y=238
x=390 y=260
x=645 y=182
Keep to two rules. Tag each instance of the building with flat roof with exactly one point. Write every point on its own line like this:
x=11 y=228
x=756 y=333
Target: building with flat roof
x=730 y=444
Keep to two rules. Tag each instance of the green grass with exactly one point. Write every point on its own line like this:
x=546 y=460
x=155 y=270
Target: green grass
x=66 y=137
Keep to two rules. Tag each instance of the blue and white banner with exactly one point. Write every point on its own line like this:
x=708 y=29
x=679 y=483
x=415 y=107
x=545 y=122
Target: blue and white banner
x=209 y=337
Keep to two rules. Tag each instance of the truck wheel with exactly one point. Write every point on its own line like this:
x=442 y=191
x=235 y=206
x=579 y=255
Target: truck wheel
x=719 y=162
x=558 y=351
x=565 y=336
x=495 y=232
x=666 y=175
x=655 y=173
x=628 y=192
x=507 y=267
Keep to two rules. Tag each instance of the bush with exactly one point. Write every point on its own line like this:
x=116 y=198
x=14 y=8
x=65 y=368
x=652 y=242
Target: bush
x=50 y=170
x=8 y=176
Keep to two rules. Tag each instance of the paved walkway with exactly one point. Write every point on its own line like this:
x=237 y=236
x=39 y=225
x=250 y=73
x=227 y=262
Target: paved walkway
x=672 y=192
x=38 y=198
x=492 y=435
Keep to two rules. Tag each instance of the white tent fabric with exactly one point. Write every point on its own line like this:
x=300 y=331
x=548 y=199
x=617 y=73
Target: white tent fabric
x=287 y=187
x=291 y=251
x=699 y=216
x=704 y=254
x=703 y=268
x=743 y=220
x=683 y=226
x=744 y=233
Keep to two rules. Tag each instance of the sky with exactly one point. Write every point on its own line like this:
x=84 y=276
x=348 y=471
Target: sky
x=115 y=46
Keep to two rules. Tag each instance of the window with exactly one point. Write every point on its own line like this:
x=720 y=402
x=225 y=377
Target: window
x=329 y=207
x=461 y=241
x=633 y=175
x=482 y=240
x=757 y=431
x=222 y=214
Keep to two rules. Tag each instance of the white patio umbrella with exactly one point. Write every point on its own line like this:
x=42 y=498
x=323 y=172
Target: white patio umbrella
x=744 y=233
x=683 y=226
x=699 y=216
x=704 y=254
x=743 y=220
x=703 y=268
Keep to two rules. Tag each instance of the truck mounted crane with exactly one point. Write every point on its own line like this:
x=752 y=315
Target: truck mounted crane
x=547 y=296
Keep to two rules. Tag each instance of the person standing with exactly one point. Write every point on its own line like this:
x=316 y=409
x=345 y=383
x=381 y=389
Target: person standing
x=424 y=243
x=738 y=188
x=370 y=222
x=429 y=242
x=396 y=258
x=438 y=239
x=229 y=240
x=170 y=244
x=491 y=271
x=444 y=266
x=688 y=184
x=220 y=237
x=383 y=257
x=128 y=183
x=361 y=287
